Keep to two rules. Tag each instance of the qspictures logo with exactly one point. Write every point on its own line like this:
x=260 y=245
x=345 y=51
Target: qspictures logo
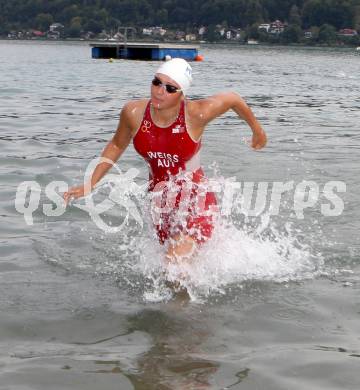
x=248 y=198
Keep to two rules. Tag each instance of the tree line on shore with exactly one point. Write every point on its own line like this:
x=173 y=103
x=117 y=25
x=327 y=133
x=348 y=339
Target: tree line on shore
x=322 y=16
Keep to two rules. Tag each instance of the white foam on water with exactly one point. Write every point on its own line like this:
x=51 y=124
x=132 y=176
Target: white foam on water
x=256 y=251
x=232 y=256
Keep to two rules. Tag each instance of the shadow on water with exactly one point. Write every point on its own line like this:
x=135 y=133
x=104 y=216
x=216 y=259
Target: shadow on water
x=165 y=349
x=171 y=362
x=176 y=358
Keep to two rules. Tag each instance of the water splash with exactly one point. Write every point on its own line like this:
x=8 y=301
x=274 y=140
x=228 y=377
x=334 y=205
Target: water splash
x=231 y=257
x=241 y=250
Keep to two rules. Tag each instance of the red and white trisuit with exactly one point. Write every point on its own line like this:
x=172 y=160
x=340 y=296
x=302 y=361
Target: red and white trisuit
x=169 y=151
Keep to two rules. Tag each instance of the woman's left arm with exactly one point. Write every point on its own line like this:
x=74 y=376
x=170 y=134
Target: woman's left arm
x=217 y=105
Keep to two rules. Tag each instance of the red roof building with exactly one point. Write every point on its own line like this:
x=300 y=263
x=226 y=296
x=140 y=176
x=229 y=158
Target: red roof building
x=347 y=32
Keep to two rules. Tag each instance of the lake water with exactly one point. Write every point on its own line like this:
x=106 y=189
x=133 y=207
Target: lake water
x=274 y=298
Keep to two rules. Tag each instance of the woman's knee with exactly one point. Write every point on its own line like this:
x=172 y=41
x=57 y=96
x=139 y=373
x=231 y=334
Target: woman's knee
x=181 y=247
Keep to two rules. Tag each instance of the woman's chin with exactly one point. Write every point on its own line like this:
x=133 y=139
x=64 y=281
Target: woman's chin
x=157 y=103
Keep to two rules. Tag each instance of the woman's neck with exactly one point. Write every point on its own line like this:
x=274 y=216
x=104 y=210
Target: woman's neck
x=165 y=116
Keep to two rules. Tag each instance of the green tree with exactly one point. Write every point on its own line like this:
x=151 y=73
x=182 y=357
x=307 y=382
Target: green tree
x=209 y=13
x=279 y=9
x=68 y=13
x=162 y=17
x=355 y=40
x=292 y=34
x=314 y=35
x=356 y=18
x=93 y=25
x=294 y=16
x=263 y=36
x=338 y=13
x=43 y=21
x=253 y=32
x=179 y=14
x=253 y=12
x=327 y=34
x=211 y=35
x=75 y=28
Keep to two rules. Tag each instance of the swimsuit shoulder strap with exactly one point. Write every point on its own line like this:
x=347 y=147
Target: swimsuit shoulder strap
x=180 y=120
x=145 y=122
x=147 y=114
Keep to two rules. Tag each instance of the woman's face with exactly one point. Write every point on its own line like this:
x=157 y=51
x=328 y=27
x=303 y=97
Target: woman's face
x=160 y=97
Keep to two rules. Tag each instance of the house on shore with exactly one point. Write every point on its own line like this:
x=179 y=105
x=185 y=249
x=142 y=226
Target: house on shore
x=264 y=27
x=347 y=32
x=277 y=27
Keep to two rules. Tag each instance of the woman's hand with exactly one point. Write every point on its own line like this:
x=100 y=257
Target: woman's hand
x=77 y=192
x=259 y=139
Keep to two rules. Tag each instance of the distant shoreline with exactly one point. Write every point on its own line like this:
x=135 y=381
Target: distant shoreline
x=219 y=43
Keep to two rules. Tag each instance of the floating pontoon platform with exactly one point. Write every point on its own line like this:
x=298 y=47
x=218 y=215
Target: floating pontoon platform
x=143 y=51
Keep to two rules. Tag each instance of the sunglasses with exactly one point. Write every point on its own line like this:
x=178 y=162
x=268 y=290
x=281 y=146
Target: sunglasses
x=169 y=88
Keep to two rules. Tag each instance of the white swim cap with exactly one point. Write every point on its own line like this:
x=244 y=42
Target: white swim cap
x=179 y=70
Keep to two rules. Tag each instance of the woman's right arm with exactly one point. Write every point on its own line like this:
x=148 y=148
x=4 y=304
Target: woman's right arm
x=112 y=151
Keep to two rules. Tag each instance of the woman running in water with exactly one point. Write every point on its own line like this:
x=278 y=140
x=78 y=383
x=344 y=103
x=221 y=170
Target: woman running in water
x=166 y=131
